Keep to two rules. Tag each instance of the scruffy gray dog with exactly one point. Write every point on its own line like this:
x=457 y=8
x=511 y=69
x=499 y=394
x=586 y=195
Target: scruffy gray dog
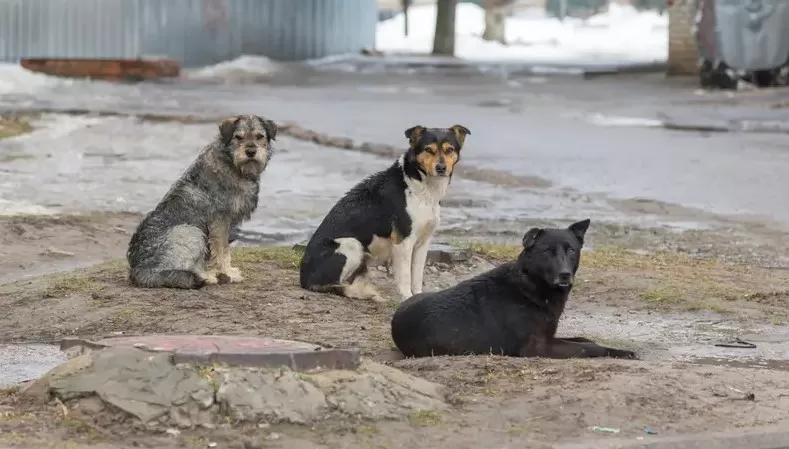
x=183 y=243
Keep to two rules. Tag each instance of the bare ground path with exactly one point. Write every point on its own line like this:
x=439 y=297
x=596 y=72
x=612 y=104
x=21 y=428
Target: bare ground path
x=669 y=306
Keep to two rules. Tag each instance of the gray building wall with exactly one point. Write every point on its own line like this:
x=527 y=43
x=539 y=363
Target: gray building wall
x=195 y=32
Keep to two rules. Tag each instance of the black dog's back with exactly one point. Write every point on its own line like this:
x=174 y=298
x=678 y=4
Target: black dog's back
x=469 y=318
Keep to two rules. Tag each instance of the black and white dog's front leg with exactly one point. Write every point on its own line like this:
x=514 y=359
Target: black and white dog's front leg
x=419 y=260
x=402 y=260
x=418 y=266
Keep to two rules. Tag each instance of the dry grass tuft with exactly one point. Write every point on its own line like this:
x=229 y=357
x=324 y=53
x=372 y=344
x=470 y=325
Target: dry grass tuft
x=285 y=256
x=14 y=126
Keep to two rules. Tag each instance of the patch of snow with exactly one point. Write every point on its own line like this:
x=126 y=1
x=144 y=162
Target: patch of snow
x=14 y=79
x=621 y=34
x=244 y=69
x=612 y=120
x=11 y=208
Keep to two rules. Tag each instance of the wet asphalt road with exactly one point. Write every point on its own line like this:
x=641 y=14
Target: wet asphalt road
x=566 y=131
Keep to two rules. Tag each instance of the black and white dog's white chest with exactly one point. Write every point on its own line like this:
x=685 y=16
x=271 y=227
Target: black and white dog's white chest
x=424 y=211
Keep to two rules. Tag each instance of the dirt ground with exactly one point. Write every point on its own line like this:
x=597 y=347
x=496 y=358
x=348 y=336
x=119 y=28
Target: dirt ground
x=32 y=245
x=647 y=301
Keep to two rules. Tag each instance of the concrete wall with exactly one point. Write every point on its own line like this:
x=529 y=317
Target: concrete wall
x=683 y=54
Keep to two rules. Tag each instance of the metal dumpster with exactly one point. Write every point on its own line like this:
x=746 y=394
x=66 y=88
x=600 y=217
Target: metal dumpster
x=743 y=40
x=753 y=34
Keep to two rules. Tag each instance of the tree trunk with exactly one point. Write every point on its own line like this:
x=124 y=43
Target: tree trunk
x=495 y=21
x=444 y=40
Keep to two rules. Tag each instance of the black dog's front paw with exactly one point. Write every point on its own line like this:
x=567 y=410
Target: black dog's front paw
x=622 y=354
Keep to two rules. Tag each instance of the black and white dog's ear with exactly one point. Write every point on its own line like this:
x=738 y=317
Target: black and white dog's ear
x=228 y=127
x=269 y=126
x=530 y=237
x=414 y=133
x=460 y=132
x=579 y=229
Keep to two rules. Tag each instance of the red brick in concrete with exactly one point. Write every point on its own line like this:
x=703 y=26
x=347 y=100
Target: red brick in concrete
x=106 y=69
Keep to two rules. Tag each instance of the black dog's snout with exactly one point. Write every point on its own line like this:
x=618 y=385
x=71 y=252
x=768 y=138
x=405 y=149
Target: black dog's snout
x=441 y=168
x=251 y=151
x=565 y=276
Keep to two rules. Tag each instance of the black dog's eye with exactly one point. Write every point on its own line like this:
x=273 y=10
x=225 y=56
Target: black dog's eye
x=570 y=251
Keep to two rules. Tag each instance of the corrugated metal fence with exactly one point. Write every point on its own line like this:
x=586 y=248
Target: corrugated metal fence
x=195 y=32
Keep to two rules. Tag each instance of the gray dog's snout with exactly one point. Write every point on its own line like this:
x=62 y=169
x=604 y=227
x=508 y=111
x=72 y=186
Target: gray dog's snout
x=251 y=151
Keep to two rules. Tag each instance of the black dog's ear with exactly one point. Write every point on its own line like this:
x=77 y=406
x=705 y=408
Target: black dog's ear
x=530 y=237
x=269 y=126
x=414 y=133
x=228 y=127
x=579 y=229
x=460 y=132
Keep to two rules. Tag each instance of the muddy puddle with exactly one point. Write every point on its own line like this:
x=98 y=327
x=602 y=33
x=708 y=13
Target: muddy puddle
x=780 y=365
x=29 y=361
x=699 y=337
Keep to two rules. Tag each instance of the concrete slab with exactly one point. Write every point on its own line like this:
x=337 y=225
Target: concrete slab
x=448 y=254
x=232 y=350
x=764 y=438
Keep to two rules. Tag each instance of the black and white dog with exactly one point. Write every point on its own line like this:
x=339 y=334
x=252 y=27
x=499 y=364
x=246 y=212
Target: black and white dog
x=389 y=216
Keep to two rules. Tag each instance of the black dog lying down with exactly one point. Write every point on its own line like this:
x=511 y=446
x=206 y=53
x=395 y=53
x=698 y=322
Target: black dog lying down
x=511 y=310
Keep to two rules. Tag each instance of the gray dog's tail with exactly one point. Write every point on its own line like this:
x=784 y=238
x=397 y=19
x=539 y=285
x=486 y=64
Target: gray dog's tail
x=166 y=278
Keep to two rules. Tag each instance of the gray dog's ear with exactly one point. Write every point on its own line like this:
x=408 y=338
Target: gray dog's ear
x=530 y=237
x=269 y=126
x=227 y=128
x=414 y=133
x=579 y=229
x=460 y=132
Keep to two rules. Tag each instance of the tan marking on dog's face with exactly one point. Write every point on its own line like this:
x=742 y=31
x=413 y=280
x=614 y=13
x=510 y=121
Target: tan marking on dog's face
x=438 y=153
x=450 y=156
x=428 y=158
x=248 y=143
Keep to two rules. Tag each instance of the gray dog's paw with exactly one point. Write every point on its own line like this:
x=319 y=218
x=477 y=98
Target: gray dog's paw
x=222 y=278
